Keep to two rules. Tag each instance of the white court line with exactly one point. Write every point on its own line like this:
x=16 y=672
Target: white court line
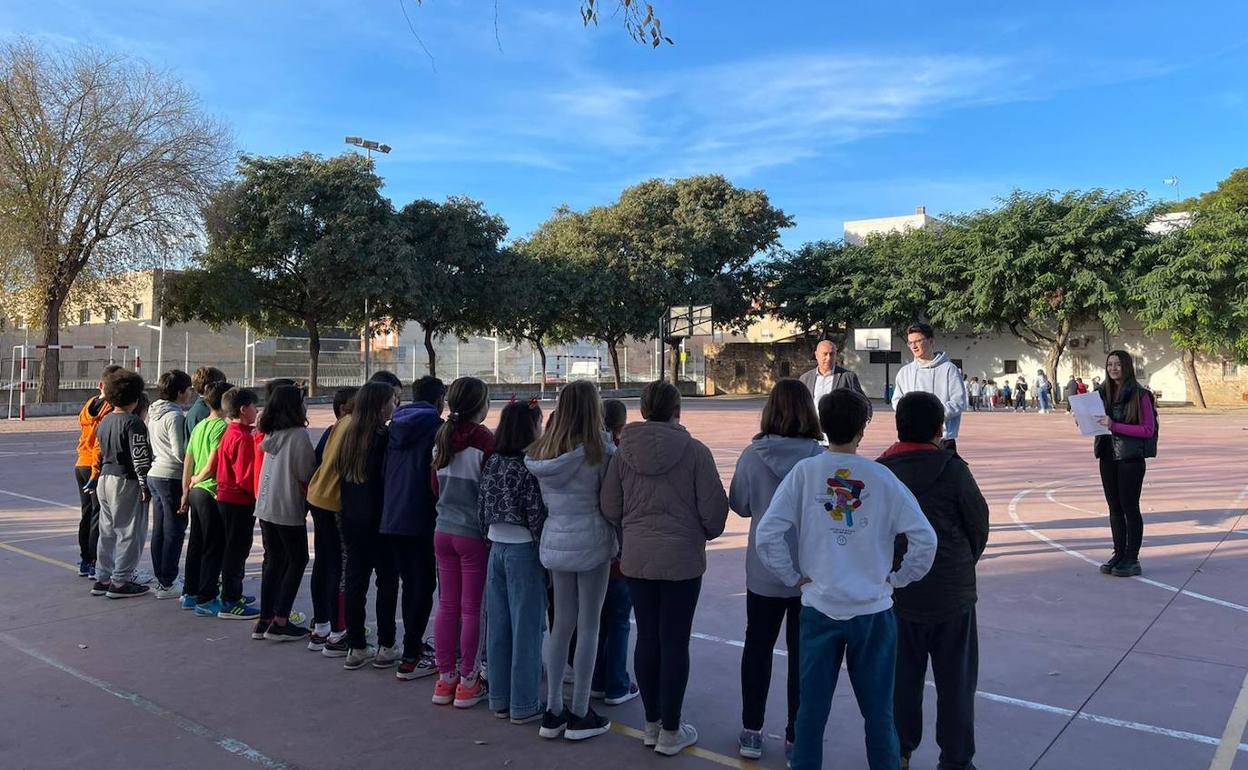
x=1233 y=733
x=39 y=500
x=232 y=745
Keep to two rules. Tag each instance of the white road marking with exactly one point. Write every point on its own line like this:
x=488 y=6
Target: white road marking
x=232 y=745
x=43 y=500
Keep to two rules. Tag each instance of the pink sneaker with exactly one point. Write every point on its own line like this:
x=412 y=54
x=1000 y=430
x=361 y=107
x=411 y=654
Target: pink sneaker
x=469 y=695
x=444 y=691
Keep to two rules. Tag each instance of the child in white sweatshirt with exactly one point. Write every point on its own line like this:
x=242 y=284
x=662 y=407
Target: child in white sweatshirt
x=847 y=511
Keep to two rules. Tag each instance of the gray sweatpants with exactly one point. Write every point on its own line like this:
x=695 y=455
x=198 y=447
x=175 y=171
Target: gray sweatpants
x=123 y=529
x=578 y=607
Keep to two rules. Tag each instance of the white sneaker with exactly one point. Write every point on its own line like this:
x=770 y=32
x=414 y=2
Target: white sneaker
x=357 y=658
x=387 y=657
x=651 y=738
x=168 y=592
x=672 y=742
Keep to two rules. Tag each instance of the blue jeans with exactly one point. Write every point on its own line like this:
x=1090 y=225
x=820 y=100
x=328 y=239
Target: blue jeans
x=869 y=643
x=168 y=528
x=515 y=595
x=1046 y=401
x=611 y=672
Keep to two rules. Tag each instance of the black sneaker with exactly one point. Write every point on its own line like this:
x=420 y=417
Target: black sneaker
x=1127 y=568
x=316 y=642
x=1108 y=567
x=259 y=629
x=552 y=725
x=127 y=590
x=84 y=569
x=338 y=649
x=99 y=589
x=286 y=632
x=588 y=726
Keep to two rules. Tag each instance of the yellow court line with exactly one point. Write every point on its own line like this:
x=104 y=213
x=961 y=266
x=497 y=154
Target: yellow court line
x=695 y=751
x=40 y=557
x=1234 y=732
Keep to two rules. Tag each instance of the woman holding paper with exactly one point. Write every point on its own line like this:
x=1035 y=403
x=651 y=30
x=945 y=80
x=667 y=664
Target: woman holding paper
x=1131 y=418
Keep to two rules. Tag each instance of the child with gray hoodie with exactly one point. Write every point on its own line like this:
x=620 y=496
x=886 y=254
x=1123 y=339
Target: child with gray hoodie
x=282 y=508
x=790 y=433
x=165 y=427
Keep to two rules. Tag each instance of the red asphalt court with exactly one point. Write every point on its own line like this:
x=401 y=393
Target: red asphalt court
x=1077 y=669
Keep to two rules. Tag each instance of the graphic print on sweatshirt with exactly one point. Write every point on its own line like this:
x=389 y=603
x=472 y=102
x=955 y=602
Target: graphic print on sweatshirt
x=843 y=498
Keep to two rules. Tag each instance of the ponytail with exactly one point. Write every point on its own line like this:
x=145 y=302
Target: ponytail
x=467 y=399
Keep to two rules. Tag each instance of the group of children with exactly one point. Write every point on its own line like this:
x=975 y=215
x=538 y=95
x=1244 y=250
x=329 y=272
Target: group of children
x=566 y=525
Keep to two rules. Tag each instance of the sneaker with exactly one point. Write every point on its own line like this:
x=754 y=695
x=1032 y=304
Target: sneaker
x=597 y=694
x=470 y=692
x=553 y=726
x=416 y=669
x=750 y=744
x=248 y=600
x=387 y=657
x=534 y=717
x=1127 y=568
x=84 y=569
x=651 y=737
x=91 y=571
x=672 y=742
x=286 y=632
x=99 y=588
x=357 y=658
x=126 y=590
x=168 y=592
x=444 y=691
x=332 y=649
x=316 y=642
x=588 y=726
x=238 y=611
x=208 y=609
x=188 y=602
x=502 y=714
x=259 y=629
x=633 y=692
x=1108 y=567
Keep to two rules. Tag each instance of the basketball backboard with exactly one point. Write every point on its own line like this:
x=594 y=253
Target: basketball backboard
x=689 y=321
x=873 y=339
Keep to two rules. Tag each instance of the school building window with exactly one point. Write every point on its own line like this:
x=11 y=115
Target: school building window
x=786 y=369
x=84 y=370
x=110 y=315
x=137 y=310
x=1011 y=366
x=1230 y=369
x=84 y=316
x=740 y=369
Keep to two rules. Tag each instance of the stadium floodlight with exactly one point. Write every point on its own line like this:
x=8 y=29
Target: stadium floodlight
x=369 y=145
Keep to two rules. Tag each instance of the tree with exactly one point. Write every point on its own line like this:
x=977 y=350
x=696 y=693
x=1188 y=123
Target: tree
x=101 y=158
x=1197 y=288
x=910 y=275
x=541 y=283
x=1042 y=264
x=699 y=236
x=813 y=287
x=447 y=268
x=293 y=241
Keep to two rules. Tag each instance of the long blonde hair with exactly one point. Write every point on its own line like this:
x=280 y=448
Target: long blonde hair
x=577 y=421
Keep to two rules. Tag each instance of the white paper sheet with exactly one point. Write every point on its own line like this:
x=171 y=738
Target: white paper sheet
x=1086 y=407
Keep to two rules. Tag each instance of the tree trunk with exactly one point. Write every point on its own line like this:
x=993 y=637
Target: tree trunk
x=314 y=354
x=1054 y=357
x=615 y=363
x=1193 y=382
x=50 y=372
x=433 y=355
x=674 y=370
x=541 y=352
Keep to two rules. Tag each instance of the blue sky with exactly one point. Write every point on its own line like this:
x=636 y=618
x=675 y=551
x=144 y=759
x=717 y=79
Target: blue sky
x=840 y=110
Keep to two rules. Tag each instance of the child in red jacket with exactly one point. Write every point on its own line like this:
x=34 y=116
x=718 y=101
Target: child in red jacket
x=236 y=499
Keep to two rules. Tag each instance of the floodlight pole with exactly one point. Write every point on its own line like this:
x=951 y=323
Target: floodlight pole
x=663 y=347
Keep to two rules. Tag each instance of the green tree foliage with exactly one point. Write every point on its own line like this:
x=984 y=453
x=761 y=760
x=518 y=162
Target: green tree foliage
x=446 y=276
x=541 y=284
x=1231 y=194
x=814 y=287
x=295 y=241
x=1041 y=264
x=912 y=275
x=1196 y=287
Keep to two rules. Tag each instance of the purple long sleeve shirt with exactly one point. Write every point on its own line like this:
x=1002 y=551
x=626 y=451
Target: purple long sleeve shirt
x=1147 y=425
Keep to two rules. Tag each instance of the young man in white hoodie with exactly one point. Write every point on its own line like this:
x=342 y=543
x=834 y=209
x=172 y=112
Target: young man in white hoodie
x=165 y=425
x=933 y=372
x=846 y=512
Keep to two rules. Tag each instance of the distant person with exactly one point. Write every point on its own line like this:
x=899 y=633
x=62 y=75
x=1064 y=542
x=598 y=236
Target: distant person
x=1020 y=394
x=1081 y=387
x=409 y=515
x=164 y=480
x=1007 y=396
x=1096 y=383
x=89 y=418
x=990 y=394
x=789 y=433
x=846 y=576
x=663 y=490
x=1044 y=392
x=936 y=614
x=827 y=376
x=1072 y=388
x=203 y=379
x=1132 y=421
x=282 y=510
x=934 y=373
x=120 y=481
x=975 y=392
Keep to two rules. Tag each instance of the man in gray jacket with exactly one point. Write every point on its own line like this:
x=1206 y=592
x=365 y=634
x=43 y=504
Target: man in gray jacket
x=934 y=373
x=827 y=376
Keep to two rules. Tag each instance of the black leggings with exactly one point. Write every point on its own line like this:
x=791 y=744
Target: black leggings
x=327 y=596
x=367 y=553
x=664 y=612
x=239 y=521
x=413 y=558
x=285 y=557
x=763 y=616
x=1123 y=481
x=89 y=524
